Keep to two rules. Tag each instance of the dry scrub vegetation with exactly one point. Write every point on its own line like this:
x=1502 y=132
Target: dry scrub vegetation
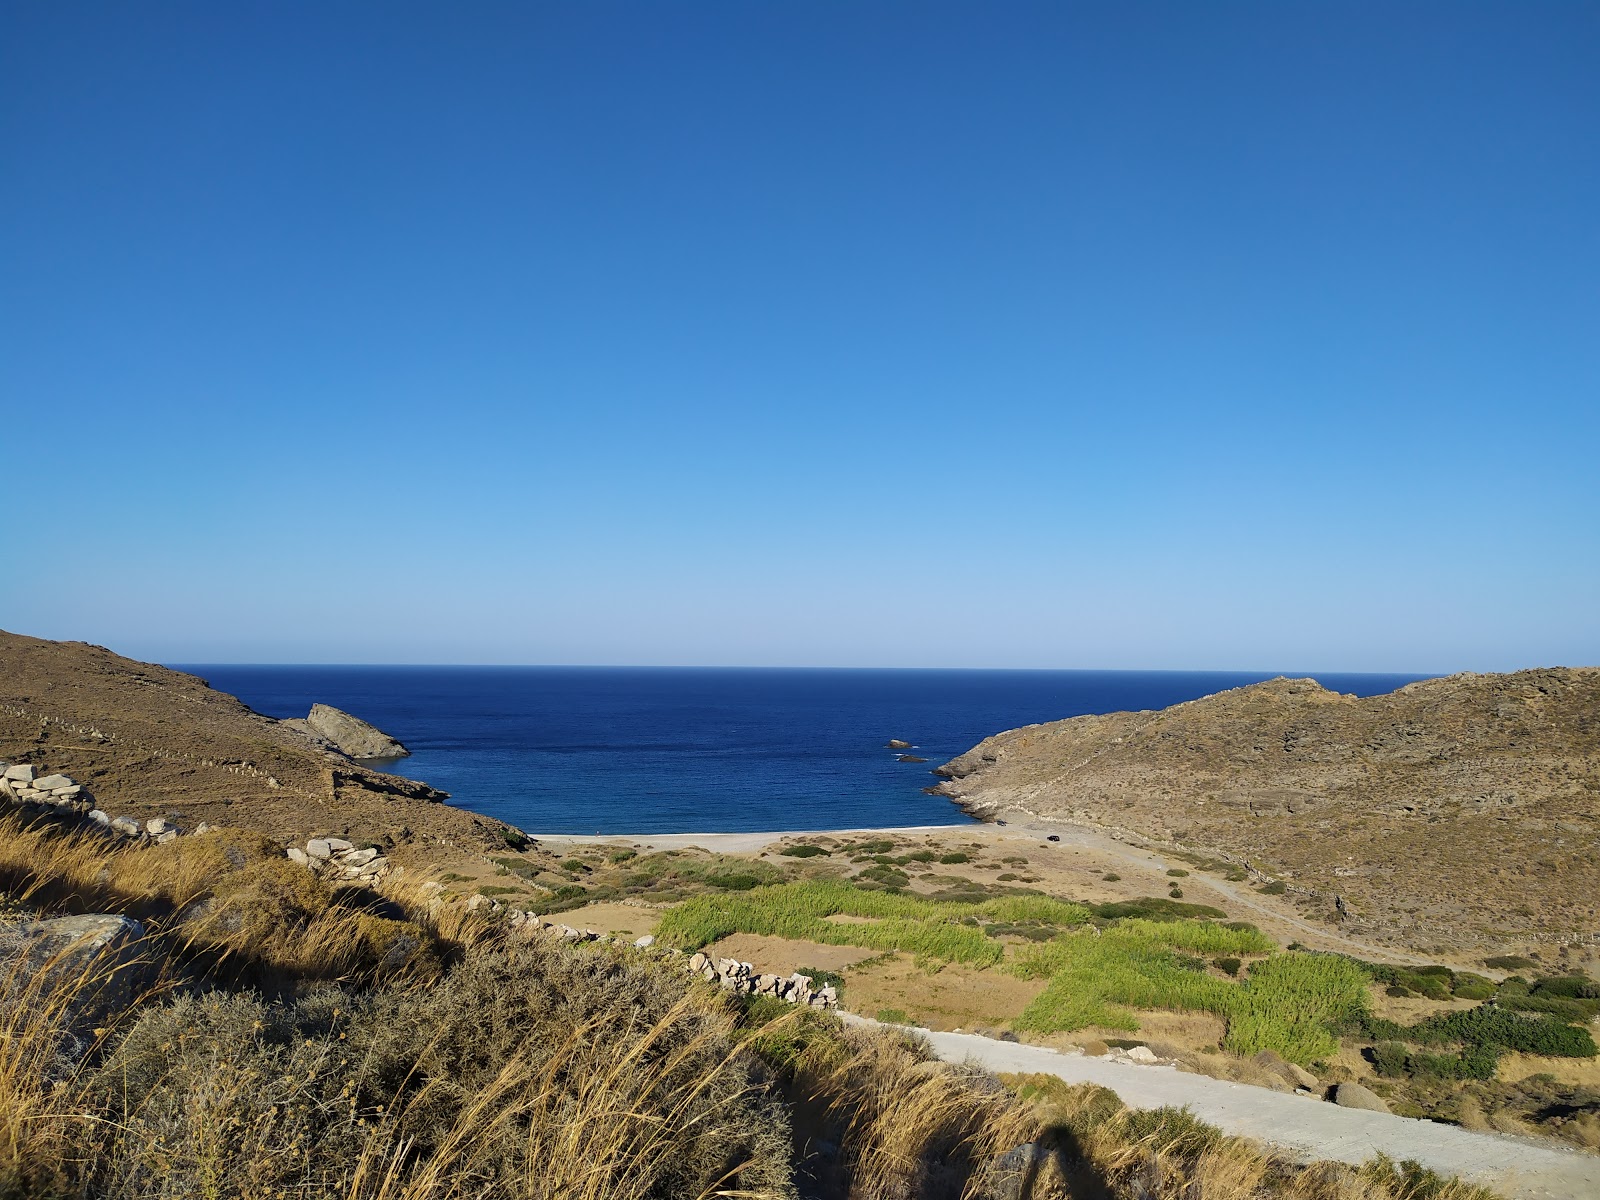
x=275 y=1038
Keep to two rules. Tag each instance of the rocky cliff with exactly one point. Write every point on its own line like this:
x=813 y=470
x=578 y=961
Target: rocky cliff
x=1462 y=810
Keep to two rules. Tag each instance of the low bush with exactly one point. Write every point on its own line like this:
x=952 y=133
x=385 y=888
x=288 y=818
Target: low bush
x=1276 y=888
x=1154 y=908
x=804 y=850
x=955 y=856
x=1509 y=962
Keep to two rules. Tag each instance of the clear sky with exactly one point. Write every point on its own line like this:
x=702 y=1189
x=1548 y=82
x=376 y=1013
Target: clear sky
x=1234 y=335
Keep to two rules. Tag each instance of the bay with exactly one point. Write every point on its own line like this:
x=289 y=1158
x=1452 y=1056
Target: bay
x=585 y=750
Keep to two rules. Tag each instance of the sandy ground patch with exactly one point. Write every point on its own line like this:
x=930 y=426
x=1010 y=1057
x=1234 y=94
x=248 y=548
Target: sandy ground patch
x=624 y=920
x=955 y=997
x=781 y=956
x=1584 y=1072
x=1408 y=1010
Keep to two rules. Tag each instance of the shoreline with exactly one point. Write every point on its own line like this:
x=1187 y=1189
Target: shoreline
x=735 y=843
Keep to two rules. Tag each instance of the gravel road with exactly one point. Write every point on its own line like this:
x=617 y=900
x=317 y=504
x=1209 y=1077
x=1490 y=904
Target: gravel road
x=1305 y=1128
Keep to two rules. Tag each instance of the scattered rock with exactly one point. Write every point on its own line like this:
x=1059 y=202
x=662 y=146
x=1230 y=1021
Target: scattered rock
x=911 y=758
x=50 y=782
x=897 y=744
x=1302 y=1077
x=20 y=773
x=1353 y=1095
x=646 y=941
x=317 y=848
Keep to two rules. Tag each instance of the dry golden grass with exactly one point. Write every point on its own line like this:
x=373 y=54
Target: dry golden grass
x=285 y=1044
x=1168 y=1155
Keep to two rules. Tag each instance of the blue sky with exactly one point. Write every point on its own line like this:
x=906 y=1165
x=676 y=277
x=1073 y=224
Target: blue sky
x=1251 y=336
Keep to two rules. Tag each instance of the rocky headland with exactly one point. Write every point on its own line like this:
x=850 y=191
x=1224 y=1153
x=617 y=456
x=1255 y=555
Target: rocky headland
x=1455 y=812
x=146 y=743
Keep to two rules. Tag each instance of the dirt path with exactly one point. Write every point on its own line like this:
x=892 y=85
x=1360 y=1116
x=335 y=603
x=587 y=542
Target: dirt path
x=1316 y=936
x=1303 y=1127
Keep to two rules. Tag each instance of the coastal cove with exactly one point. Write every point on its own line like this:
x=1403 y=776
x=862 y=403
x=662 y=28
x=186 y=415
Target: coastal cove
x=600 y=750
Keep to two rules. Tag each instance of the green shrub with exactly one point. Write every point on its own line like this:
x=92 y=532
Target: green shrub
x=1492 y=1025
x=1154 y=908
x=1110 y=877
x=515 y=838
x=575 y=865
x=873 y=847
x=1276 y=888
x=732 y=881
x=805 y=850
x=1176 y=893
x=622 y=856
x=1177 y=872
x=1390 y=1059
x=1509 y=962
x=1228 y=966
x=1468 y=986
x=885 y=875
x=955 y=856
x=894 y=1016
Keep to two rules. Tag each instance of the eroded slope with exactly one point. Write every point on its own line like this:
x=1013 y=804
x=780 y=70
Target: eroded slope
x=1455 y=811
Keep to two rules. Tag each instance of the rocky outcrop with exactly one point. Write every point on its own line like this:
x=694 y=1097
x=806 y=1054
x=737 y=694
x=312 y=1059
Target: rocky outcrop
x=1456 y=811
x=95 y=959
x=341 y=861
x=351 y=735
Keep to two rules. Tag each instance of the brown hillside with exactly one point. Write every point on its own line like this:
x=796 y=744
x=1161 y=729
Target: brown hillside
x=1462 y=811
x=149 y=741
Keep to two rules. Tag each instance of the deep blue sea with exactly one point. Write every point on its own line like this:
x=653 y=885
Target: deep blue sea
x=661 y=750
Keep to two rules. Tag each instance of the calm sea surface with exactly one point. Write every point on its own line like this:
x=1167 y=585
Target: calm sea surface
x=660 y=750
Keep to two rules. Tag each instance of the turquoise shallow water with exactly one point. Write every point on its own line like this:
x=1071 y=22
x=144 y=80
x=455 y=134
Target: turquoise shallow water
x=661 y=750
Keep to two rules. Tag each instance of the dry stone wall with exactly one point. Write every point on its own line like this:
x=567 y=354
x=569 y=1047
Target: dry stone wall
x=33 y=787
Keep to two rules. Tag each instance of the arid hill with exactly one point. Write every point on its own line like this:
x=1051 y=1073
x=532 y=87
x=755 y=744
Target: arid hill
x=1455 y=812
x=149 y=741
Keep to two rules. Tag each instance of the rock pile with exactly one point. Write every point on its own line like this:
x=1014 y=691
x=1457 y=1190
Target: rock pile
x=742 y=977
x=339 y=860
x=24 y=783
